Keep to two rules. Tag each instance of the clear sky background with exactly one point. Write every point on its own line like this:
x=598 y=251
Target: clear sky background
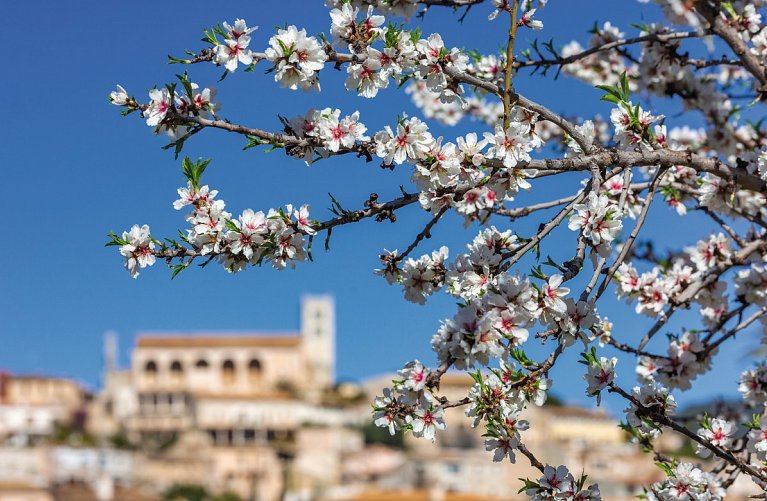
x=74 y=169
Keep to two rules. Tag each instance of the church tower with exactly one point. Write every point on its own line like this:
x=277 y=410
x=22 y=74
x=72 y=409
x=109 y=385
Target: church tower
x=110 y=352
x=318 y=333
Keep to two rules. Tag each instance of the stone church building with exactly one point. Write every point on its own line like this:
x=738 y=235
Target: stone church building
x=228 y=410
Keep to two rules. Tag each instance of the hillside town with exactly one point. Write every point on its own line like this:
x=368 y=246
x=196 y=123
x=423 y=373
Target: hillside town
x=260 y=416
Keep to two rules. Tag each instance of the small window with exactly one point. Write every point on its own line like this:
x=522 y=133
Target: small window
x=227 y=371
x=254 y=370
x=176 y=367
x=151 y=367
x=201 y=364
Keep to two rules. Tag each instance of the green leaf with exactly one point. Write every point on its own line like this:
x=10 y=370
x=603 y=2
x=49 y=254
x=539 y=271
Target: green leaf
x=177 y=268
x=610 y=98
x=175 y=60
x=665 y=467
x=115 y=240
x=193 y=170
x=520 y=356
x=625 y=86
x=232 y=226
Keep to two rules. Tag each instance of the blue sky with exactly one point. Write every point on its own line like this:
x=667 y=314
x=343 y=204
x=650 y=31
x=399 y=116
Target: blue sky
x=74 y=169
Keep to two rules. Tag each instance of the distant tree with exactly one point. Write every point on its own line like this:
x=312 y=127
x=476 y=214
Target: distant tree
x=120 y=440
x=554 y=401
x=226 y=496
x=709 y=157
x=186 y=492
x=376 y=435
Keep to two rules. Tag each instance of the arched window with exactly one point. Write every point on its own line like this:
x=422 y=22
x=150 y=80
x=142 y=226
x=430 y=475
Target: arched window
x=176 y=367
x=201 y=364
x=150 y=371
x=227 y=371
x=254 y=370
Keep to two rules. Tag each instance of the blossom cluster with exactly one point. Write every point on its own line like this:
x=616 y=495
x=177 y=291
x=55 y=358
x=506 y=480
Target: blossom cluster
x=234 y=50
x=600 y=373
x=757 y=440
x=276 y=237
x=327 y=131
x=137 y=248
x=559 y=483
x=653 y=398
x=498 y=400
x=598 y=219
x=499 y=307
x=717 y=432
x=443 y=170
x=753 y=385
x=686 y=481
x=634 y=126
x=655 y=289
x=409 y=404
x=600 y=67
x=687 y=358
x=165 y=105
x=296 y=59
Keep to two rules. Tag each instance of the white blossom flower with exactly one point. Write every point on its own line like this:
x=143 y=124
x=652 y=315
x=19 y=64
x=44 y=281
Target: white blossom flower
x=600 y=374
x=414 y=376
x=757 y=440
x=238 y=30
x=553 y=295
x=426 y=422
x=527 y=21
x=654 y=397
x=367 y=77
x=753 y=385
x=138 y=249
x=119 y=97
x=512 y=145
x=410 y=143
x=718 y=433
x=232 y=52
x=559 y=479
x=383 y=415
x=296 y=58
x=159 y=105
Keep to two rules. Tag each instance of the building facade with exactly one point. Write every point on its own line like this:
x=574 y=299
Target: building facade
x=229 y=410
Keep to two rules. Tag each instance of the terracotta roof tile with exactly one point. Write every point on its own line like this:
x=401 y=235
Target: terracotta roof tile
x=217 y=340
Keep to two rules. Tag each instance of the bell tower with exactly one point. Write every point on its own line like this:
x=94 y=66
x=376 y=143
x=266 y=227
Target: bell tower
x=318 y=333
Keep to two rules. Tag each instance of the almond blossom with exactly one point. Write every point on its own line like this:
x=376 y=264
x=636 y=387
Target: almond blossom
x=137 y=249
x=717 y=432
x=553 y=294
x=296 y=58
x=600 y=374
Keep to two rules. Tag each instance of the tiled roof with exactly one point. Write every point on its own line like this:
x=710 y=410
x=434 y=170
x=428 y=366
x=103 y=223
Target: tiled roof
x=217 y=340
x=414 y=495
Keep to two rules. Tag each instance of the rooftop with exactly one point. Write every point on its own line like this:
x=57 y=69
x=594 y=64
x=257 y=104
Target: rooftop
x=217 y=339
x=571 y=411
x=413 y=495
